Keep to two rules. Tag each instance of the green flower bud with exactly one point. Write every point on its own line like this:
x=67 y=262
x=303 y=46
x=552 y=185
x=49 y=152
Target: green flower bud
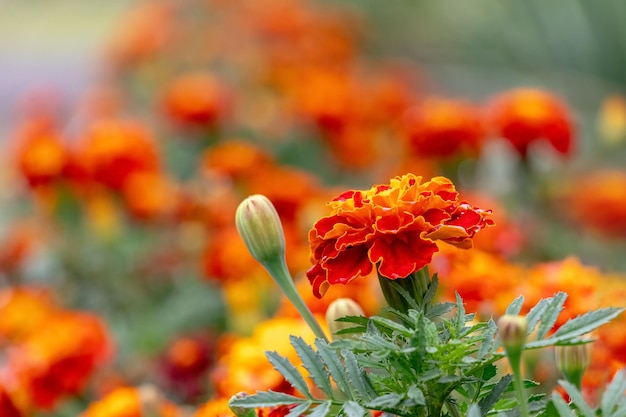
x=342 y=307
x=260 y=227
x=572 y=361
x=512 y=330
x=240 y=411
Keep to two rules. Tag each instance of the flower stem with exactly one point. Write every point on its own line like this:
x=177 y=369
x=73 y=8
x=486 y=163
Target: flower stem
x=519 y=384
x=278 y=270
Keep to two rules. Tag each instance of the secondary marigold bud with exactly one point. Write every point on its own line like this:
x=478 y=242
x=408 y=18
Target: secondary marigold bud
x=572 y=361
x=513 y=331
x=260 y=227
x=240 y=411
x=341 y=307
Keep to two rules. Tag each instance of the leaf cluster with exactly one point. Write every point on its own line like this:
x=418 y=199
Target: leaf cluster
x=427 y=362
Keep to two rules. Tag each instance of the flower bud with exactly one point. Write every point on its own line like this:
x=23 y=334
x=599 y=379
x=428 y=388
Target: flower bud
x=513 y=331
x=341 y=307
x=260 y=227
x=240 y=411
x=572 y=360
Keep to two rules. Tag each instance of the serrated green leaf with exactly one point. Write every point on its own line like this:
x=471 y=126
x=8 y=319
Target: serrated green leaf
x=534 y=315
x=613 y=393
x=587 y=322
x=321 y=410
x=577 y=398
x=354 y=319
x=415 y=394
x=561 y=406
x=298 y=410
x=313 y=364
x=494 y=395
x=439 y=309
x=516 y=306
x=391 y=325
x=391 y=400
x=474 y=411
x=488 y=339
x=405 y=294
x=334 y=366
x=356 y=376
x=352 y=409
x=432 y=289
x=551 y=314
x=266 y=399
x=290 y=372
x=460 y=314
x=577 y=327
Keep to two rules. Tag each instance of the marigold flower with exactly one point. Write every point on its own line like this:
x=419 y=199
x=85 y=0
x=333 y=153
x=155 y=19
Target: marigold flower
x=391 y=226
x=444 y=128
x=195 y=99
x=595 y=202
x=23 y=311
x=217 y=407
x=113 y=150
x=132 y=402
x=42 y=154
x=59 y=358
x=526 y=115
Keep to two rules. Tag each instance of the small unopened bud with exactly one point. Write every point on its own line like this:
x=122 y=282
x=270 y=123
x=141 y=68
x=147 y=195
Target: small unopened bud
x=239 y=411
x=512 y=330
x=260 y=227
x=341 y=307
x=572 y=361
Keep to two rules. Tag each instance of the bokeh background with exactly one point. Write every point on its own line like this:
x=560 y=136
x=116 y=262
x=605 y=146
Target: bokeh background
x=131 y=130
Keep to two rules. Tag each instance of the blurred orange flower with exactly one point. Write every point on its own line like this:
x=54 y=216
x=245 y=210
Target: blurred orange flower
x=242 y=366
x=196 y=99
x=132 y=402
x=237 y=159
x=442 y=128
x=149 y=195
x=217 y=407
x=24 y=311
x=467 y=273
x=582 y=284
x=113 y=150
x=525 y=115
x=595 y=201
x=41 y=152
x=392 y=226
x=58 y=359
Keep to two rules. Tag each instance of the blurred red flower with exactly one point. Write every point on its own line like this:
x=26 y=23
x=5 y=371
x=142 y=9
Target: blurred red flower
x=444 y=128
x=525 y=115
x=391 y=226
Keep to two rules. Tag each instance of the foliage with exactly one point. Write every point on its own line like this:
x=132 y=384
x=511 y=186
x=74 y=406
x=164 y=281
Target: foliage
x=421 y=364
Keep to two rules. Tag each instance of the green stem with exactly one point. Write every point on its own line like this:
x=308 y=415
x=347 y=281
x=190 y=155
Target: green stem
x=278 y=270
x=515 y=360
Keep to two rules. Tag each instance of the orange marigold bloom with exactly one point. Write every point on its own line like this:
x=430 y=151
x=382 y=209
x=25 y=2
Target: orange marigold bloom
x=243 y=365
x=526 y=115
x=60 y=357
x=582 y=284
x=195 y=99
x=237 y=159
x=596 y=202
x=217 y=407
x=393 y=226
x=444 y=128
x=113 y=150
x=466 y=272
x=149 y=195
x=132 y=402
x=41 y=153
x=24 y=311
